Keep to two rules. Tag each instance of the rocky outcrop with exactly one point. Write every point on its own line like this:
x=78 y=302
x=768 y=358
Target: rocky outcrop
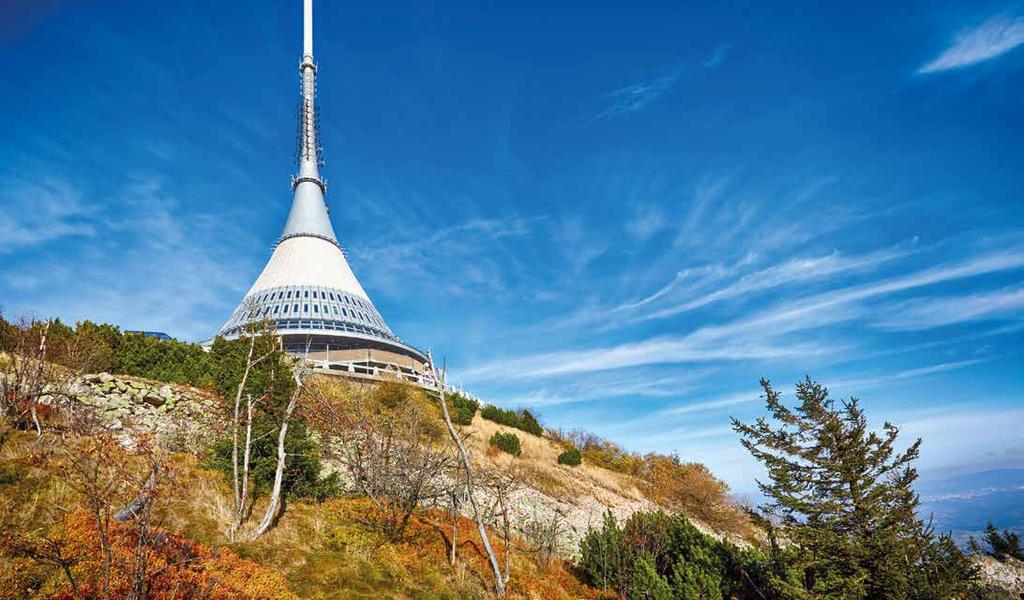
x=1002 y=576
x=178 y=415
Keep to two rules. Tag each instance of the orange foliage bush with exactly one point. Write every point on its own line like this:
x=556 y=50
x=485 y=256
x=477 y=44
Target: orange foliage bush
x=688 y=487
x=426 y=550
x=174 y=566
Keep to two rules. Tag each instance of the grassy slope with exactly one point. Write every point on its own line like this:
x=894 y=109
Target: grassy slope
x=324 y=550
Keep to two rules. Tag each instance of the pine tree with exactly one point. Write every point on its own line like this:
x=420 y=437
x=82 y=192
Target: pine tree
x=843 y=496
x=1003 y=545
x=646 y=584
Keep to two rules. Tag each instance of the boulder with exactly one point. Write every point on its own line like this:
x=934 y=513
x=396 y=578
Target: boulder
x=105 y=377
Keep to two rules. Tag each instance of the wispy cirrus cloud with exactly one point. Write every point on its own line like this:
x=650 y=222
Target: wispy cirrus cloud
x=42 y=210
x=925 y=313
x=418 y=254
x=864 y=382
x=797 y=270
x=994 y=37
x=697 y=287
x=761 y=336
x=716 y=57
x=638 y=96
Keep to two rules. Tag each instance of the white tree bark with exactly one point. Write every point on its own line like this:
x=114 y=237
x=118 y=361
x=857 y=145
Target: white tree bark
x=275 y=494
x=499 y=580
x=234 y=423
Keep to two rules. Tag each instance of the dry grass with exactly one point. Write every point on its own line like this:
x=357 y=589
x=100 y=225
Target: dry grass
x=323 y=550
x=539 y=460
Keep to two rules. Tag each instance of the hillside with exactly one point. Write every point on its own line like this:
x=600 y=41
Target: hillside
x=236 y=474
x=322 y=549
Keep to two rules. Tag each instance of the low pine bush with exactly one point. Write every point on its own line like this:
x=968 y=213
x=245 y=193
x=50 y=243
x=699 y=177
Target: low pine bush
x=509 y=442
x=571 y=457
x=521 y=419
x=464 y=408
x=657 y=555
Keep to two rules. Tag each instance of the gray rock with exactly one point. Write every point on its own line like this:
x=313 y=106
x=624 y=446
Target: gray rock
x=154 y=400
x=105 y=377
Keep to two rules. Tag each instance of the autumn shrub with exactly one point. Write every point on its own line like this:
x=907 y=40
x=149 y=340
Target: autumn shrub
x=691 y=488
x=521 y=419
x=687 y=487
x=571 y=457
x=506 y=441
x=171 y=565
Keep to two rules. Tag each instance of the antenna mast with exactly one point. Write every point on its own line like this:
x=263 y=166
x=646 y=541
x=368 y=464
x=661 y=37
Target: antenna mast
x=308 y=153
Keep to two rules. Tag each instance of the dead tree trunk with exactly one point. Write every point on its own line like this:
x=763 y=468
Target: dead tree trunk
x=235 y=419
x=275 y=494
x=243 y=506
x=499 y=580
x=139 y=504
x=455 y=519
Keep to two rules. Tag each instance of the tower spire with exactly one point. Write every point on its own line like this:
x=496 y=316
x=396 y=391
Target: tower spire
x=309 y=151
x=307 y=28
x=308 y=215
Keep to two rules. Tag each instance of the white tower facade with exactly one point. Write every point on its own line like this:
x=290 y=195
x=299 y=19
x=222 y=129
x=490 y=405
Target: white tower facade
x=307 y=290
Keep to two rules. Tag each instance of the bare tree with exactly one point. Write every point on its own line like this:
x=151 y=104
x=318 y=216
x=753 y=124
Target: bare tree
x=106 y=472
x=240 y=473
x=389 y=440
x=542 y=531
x=275 y=494
x=456 y=498
x=500 y=486
x=37 y=373
x=499 y=581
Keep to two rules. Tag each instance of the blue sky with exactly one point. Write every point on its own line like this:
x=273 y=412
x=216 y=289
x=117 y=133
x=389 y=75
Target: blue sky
x=622 y=216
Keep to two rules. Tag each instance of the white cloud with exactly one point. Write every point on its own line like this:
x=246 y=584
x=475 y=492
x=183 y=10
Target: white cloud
x=42 y=210
x=791 y=271
x=860 y=383
x=648 y=221
x=716 y=57
x=925 y=313
x=764 y=336
x=638 y=96
x=996 y=36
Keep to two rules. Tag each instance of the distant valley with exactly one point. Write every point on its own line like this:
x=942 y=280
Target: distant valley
x=966 y=503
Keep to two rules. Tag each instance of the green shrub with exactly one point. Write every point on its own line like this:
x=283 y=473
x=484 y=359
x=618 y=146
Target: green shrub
x=463 y=407
x=571 y=457
x=172 y=360
x=521 y=419
x=302 y=471
x=657 y=555
x=509 y=442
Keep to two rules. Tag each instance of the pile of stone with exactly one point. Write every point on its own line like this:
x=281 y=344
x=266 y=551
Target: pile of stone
x=181 y=414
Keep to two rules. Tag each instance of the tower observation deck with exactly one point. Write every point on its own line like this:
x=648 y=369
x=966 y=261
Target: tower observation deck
x=307 y=289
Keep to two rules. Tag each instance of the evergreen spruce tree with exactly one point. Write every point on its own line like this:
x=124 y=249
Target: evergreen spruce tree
x=842 y=494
